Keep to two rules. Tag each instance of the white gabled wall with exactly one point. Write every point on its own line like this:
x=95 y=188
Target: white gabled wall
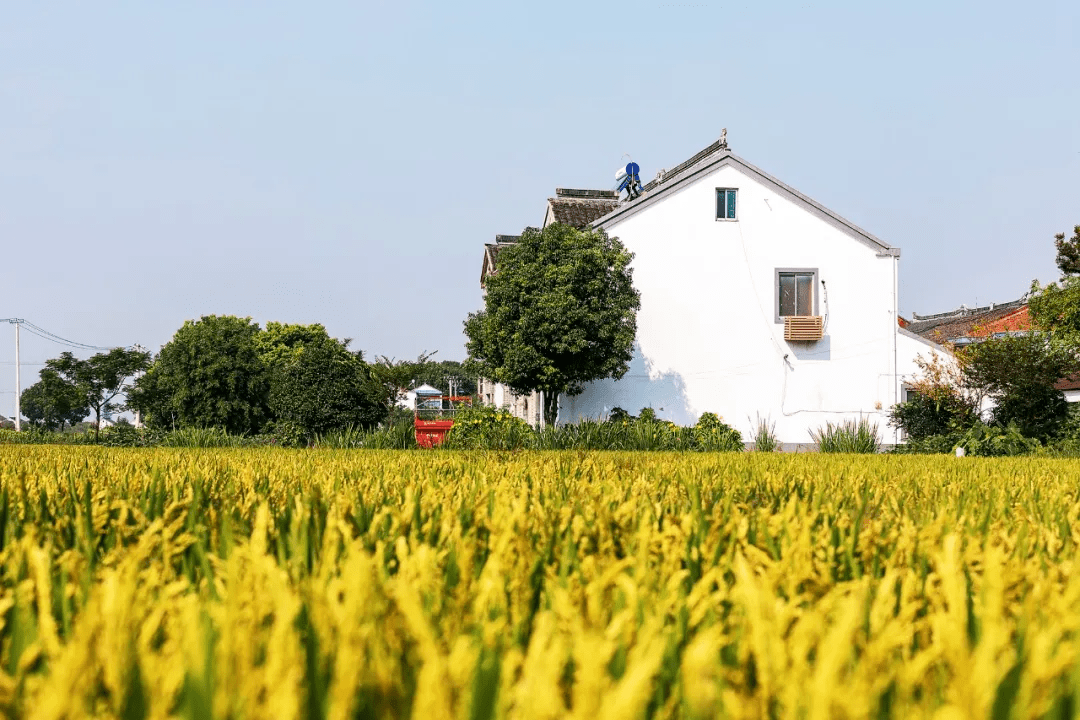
x=707 y=336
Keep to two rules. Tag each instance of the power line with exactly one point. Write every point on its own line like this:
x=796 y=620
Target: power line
x=46 y=335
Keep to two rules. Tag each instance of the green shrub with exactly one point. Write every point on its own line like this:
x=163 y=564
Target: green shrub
x=488 y=428
x=641 y=434
x=931 y=445
x=713 y=434
x=284 y=433
x=934 y=413
x=996 y=441
x=848 y=436
x=125 y=436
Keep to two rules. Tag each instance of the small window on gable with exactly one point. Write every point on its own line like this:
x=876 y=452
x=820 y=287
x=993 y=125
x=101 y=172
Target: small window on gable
x=725 y=203
x=795 y=293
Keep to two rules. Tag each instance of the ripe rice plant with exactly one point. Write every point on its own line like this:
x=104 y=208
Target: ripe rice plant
x=239 y=582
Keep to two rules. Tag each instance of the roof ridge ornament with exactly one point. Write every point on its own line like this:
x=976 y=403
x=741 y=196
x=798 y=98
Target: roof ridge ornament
x=723 y=139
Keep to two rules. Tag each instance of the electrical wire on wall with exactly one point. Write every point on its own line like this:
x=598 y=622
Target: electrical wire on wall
x=825 y=297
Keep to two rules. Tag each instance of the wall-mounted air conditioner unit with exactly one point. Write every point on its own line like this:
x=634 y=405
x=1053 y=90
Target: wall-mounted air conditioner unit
x=803 y=328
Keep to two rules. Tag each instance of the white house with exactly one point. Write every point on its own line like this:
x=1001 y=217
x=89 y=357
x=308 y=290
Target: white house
x=726 y=257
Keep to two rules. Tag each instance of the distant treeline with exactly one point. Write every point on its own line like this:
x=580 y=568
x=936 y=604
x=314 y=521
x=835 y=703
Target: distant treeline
x=289 y=381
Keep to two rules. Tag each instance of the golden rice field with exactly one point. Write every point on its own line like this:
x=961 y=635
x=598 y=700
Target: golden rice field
x=377 y=584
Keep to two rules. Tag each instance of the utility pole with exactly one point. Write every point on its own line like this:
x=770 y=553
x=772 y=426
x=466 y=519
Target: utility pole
x=18 y=377
x=138 y=414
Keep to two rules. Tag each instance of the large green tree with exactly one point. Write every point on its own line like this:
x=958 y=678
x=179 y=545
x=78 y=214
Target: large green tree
x=53 y=402
x=1019 y=374
x=316 y=383
x=560 y=311
x=1055 y=308
x=99 y=380
x=1068 y=252
x=389 y=379
x=211 y=374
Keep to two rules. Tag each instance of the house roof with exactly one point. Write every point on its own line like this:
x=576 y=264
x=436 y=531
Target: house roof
x=972 y=322
x=1068 y=383
x=578 y=211
x=579 y=208
x=491 y=253
x=587 y=194
x=718 y=155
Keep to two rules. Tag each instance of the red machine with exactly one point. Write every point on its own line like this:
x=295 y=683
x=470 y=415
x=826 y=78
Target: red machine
x=435 y=416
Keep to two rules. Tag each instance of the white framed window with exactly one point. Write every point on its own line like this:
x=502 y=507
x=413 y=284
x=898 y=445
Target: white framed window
x=725 y=203
x=796 y=292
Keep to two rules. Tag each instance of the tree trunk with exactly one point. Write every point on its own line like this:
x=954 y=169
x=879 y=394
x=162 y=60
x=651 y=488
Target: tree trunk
x=551 y=408
x=97 y=423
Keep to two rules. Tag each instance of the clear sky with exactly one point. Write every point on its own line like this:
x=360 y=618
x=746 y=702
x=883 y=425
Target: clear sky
x=343 y=162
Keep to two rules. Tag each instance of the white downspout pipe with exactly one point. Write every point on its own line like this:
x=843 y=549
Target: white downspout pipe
x=896 y=333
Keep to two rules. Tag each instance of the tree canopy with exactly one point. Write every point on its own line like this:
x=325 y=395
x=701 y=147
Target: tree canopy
x=389 y=379
x=53 y=402
x=1055 y=308
x=227 y=372
x=1068 y=252
x=440 y=373
x=560 y=311
x=71 y=387
x=316 y=383
x=1019 y=374
x=210 y=374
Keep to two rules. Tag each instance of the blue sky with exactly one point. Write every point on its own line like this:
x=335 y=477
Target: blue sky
x=344 y=162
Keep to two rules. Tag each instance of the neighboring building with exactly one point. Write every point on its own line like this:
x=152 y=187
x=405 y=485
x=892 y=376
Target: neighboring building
x=419 y=398
x=756 y=302
x=527 y=407
x=965 y=325
x=491 y=254
x=579 y=208
x=1070 y=387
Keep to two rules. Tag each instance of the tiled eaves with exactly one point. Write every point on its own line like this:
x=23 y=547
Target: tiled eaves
x=595 y=194
x=491 y=254
x=579 y=213
x=960 y=323
x=964 y=311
